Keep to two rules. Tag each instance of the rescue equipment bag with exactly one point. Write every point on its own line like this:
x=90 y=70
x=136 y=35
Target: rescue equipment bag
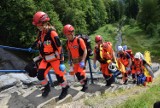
x=31 y=69
x=102 y=55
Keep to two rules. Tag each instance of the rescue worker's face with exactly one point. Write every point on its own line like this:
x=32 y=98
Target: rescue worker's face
x=98 y=42
x=120 y=52
x=69 y=36
x=136 y=59
x=40 y=27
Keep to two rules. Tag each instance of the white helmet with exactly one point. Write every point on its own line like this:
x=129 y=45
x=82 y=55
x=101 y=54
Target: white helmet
x=112 y=67
x=137 y=55
x=141 y=55
x=120 y=48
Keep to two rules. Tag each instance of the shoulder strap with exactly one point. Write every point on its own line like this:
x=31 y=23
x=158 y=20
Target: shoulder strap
x=80 y=48
x=78 y=40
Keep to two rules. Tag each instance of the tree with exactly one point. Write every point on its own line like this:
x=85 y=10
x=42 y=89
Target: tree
x=99 y=14
x=16 y=26
x=16 y=23
x=114 y=9
x=72 y=12
x=132 y=8
x=149 y=13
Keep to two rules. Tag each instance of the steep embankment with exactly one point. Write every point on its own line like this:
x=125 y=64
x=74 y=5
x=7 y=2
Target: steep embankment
x=10 y=61
x=139 y=41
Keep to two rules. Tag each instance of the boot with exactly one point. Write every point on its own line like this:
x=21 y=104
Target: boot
x=109 y=80
x=134 y=81
x=46 y=90
x=125 y=81
x=64 y=92
x=85 y=87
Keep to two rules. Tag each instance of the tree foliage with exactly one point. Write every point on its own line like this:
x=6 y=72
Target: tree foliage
x=15 y=23
x=131 y=8
x=149 y=13
x=99 y=14
x=85 y=15
x=115 y=10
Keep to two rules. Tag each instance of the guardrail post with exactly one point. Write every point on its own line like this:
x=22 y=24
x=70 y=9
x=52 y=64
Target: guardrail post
x=90 y=68
x=50 y=79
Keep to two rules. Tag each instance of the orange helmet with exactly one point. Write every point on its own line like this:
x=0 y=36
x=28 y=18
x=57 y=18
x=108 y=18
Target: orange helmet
x=68 y=29
x=39 y=18
x=98 y=38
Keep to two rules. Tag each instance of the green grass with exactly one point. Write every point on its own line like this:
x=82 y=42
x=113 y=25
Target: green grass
x=145 y=100
x=138 y=41
x=139 y=96
x=134 y=37
x=108 y=32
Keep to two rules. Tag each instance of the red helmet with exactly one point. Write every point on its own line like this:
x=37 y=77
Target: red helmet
x=68 y=29
x=40 y=17
x=107 y=46
x=98 y=38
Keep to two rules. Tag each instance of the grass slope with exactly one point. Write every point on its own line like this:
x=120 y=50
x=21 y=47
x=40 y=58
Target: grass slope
x=133 y=37
x=138 y=41
x=108 y=32
x=145 y=99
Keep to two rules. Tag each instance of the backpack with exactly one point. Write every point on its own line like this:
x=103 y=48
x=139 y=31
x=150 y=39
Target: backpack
x=31 y=69
x=102 y=54
x=87 y=42
x=98 y=50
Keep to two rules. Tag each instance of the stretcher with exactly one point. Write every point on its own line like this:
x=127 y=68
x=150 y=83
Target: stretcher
x=148 y=69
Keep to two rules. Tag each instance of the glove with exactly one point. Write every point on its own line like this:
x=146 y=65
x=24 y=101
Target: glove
x=128 y=68
x=82 y=64
x=62 y=67
x=71 y=69
x=94 y=66
x=30 y=49
x=69 y=62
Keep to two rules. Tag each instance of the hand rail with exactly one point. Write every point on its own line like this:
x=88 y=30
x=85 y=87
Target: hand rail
x=18 y=49
x=33 y=51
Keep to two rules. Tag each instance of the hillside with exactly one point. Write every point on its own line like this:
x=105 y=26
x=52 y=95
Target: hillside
x=95 y=96
x=134 y=37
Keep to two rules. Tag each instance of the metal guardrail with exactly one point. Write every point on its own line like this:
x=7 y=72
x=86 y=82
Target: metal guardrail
x=33 y=51
x=18 y=49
